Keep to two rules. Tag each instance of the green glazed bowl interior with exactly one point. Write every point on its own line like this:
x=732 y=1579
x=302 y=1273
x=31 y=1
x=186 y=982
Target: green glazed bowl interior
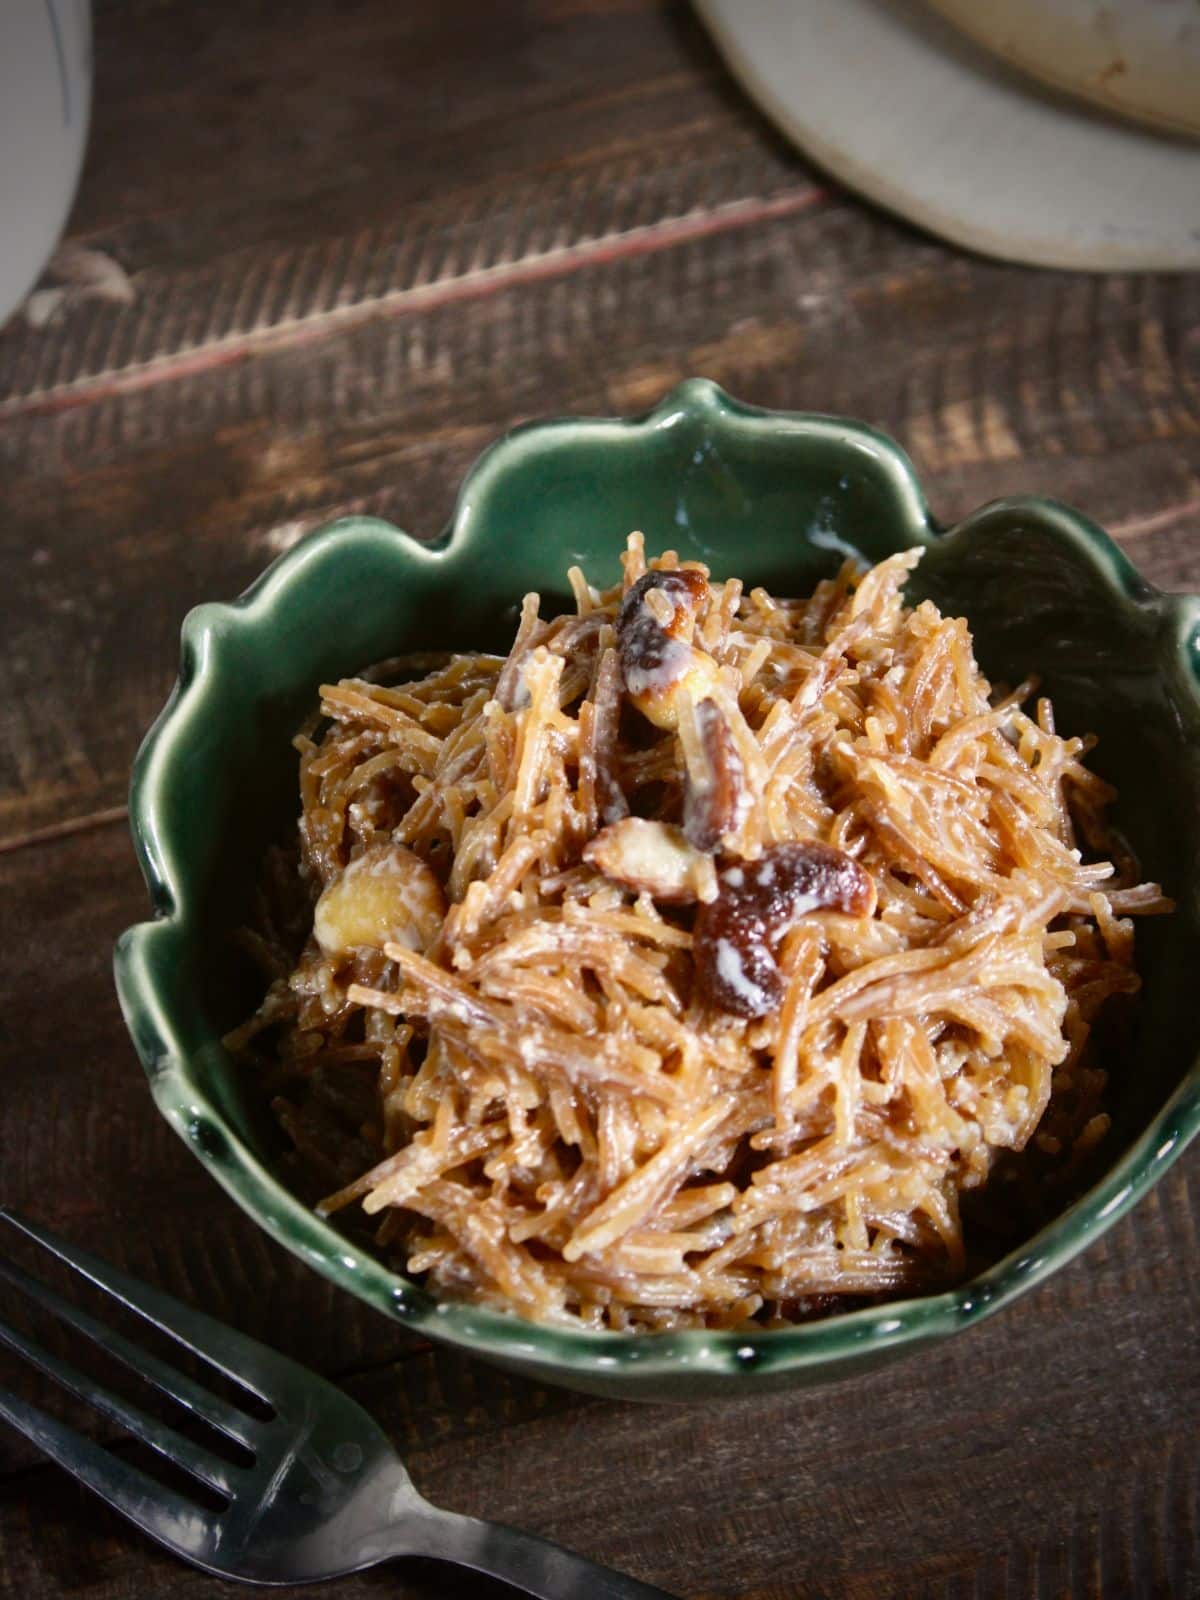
x=776 y=499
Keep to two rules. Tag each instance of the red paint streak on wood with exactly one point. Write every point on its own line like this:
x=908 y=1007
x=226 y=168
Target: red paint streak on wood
x=647 y=240
x=65 y=828
x=1156 y=521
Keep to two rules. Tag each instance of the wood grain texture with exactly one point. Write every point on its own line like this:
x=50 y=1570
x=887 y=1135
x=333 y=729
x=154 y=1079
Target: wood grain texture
x=364 y=239
x=419 y=159
x=187 y=489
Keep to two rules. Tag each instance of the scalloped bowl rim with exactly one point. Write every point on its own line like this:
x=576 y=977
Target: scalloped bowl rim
x=497 y=1334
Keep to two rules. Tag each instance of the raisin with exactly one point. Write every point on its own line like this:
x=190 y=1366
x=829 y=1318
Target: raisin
x=757 y=901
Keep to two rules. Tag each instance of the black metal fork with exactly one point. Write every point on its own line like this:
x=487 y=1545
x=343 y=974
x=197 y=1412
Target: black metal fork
x=319 y=1491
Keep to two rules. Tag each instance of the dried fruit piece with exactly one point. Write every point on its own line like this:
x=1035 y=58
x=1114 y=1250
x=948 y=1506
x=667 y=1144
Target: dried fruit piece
x=600 y=752
x=387 y=895
x=655 y=627
x=757 y=901
x=655 y=859
x=716 y=798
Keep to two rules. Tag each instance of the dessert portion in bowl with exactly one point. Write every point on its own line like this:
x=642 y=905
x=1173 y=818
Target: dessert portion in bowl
x=777 y=499
x=713 y=959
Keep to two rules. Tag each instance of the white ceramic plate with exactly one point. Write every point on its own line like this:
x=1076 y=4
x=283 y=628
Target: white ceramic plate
x=897 y=104
x=1137 y=57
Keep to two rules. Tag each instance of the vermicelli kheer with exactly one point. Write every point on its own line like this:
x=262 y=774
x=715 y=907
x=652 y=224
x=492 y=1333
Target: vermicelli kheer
x=690 y=965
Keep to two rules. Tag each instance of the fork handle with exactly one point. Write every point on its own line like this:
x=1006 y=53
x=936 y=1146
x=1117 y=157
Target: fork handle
x=521 y=1559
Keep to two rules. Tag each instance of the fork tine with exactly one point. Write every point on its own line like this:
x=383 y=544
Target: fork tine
x=225 y=1418
x=158 y=1511
x=248 y=1363
x=193 y=1458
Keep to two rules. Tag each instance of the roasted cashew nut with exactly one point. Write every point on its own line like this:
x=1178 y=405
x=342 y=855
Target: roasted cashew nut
x=387 y=894
x=655 y=859
x=655 y=628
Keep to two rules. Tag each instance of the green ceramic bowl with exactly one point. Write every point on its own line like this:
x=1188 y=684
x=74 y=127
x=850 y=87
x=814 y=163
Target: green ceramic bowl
x=777 y=499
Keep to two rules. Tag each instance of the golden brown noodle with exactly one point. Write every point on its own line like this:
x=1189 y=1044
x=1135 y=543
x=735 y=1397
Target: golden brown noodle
x=541 y=1104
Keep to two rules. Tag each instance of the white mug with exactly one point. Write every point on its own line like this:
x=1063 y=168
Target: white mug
x=45 y=105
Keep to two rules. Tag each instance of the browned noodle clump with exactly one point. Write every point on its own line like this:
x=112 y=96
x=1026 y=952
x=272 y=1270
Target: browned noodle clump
x=687 y=966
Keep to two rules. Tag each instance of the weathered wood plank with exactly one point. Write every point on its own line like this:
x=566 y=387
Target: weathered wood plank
x=427 y=150
x=130 y=510
x=333 y=114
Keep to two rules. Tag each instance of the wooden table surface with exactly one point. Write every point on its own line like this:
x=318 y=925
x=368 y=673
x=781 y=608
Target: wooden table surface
x=362 y=239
